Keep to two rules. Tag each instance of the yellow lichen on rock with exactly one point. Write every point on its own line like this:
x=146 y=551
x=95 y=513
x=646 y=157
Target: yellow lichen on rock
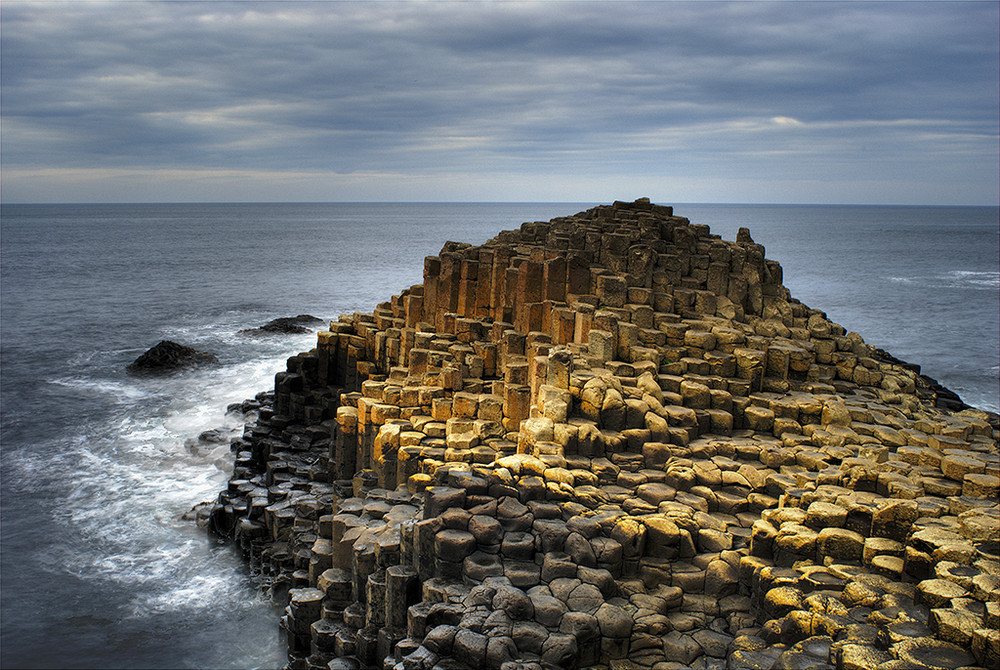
x=616 y=436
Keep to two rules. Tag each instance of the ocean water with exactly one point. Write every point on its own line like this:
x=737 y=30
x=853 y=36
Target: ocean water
x=98 y=569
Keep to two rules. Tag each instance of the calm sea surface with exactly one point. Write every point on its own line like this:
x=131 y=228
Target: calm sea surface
x=99 y=570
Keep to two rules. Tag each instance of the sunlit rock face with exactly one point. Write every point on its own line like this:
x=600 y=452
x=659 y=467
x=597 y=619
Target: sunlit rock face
x=614 y=439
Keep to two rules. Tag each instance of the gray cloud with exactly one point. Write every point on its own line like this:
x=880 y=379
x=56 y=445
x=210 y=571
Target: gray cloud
x=728 y=90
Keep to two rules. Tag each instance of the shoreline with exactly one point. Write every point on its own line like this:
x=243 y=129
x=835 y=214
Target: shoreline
x=609 y=436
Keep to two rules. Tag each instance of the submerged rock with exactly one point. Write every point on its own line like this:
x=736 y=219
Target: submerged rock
x=286 y=325
x=209 y=441
x=168 y=357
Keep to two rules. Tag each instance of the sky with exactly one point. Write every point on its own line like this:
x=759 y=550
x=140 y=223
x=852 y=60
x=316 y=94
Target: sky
x=773 y=102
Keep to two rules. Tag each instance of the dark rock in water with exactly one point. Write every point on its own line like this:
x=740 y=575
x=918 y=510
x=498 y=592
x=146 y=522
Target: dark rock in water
x=167 y=357
x=215 y=436
x=243 y=408
x=200 y=513
x=287 y=325
x=209 y=440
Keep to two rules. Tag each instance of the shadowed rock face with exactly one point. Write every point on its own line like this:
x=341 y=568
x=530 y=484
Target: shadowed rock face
x=288 y=325
x=614 y=439
x=167 y=357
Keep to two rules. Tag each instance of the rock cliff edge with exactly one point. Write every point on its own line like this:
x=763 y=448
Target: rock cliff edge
x=616 y=440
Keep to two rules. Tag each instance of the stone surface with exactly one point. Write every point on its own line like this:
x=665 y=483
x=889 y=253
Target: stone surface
x=615 y=440
x=287 y=325
x=167 y=356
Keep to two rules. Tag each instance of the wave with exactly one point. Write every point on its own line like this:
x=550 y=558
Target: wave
x=954 y=279
x=116 y=389
x=196 y=593
x=974 y=279
x=116 y=482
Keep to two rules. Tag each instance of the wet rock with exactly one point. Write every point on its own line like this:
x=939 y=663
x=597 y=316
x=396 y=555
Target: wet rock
x=287 y=325
x=167 y=356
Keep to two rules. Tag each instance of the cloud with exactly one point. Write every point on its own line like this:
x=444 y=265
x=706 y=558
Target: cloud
x=553 y=89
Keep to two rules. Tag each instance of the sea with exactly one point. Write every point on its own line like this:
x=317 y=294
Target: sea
x=98 y=569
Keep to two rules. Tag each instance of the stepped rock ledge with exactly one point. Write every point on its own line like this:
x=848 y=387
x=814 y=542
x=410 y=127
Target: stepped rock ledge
x=614 y=440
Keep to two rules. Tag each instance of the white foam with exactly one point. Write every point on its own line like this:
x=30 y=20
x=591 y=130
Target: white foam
x=118 y=390
x=955 y=279
x=124 y=483
x=192 y=594
x=973 y=279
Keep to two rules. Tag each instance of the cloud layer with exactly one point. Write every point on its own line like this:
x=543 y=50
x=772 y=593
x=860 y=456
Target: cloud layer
x=801 y=102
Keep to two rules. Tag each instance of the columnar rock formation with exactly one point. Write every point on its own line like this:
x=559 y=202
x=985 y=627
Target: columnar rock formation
x=614 y=439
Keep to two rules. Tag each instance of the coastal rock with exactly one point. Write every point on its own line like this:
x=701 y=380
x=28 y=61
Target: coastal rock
x=167 y=356
x=615 y=440
x=286 y=325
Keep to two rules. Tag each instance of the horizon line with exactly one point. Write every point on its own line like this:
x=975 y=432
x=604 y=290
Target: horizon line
x=483 y=202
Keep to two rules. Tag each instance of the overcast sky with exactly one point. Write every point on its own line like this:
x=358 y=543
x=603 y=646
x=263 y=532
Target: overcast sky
x=821 y=102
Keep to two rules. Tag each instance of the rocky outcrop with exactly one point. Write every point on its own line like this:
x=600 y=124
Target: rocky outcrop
x=167 y=356
x=286 y=325
x=615 y=440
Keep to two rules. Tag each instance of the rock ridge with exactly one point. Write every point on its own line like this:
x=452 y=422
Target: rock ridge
x=614 y=439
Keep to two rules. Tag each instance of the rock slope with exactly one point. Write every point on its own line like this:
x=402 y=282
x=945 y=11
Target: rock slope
x=615 y=440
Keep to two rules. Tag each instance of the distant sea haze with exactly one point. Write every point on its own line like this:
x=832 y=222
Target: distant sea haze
x=99 y=570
